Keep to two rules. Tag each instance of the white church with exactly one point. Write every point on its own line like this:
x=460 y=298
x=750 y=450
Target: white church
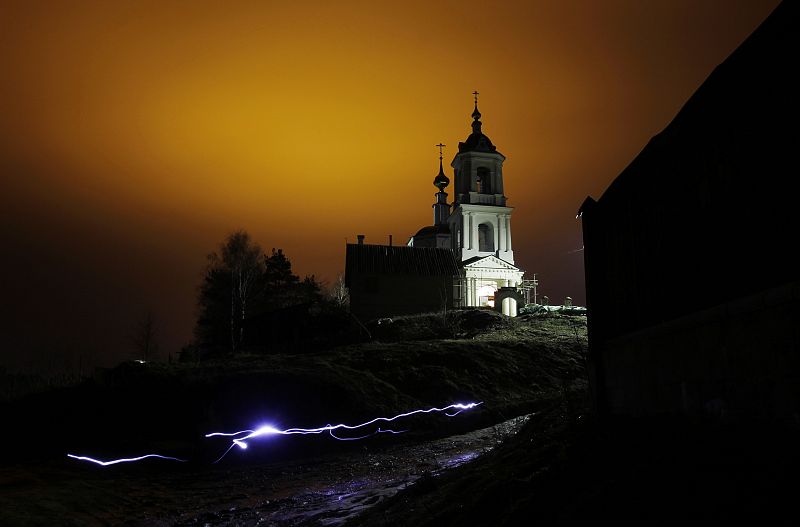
x=477 y=225
x=465 y=259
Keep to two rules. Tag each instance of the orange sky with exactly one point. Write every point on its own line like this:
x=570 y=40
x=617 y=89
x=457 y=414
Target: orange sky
x=135 y=135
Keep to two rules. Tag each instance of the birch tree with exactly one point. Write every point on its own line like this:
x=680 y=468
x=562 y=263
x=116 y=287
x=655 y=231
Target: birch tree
x=234 y=273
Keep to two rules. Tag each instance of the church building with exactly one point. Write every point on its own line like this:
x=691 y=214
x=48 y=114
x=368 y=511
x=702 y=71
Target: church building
x=477 y=226
x=465 y=259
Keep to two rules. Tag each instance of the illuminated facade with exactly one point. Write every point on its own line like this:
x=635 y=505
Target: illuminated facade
x=477 y=226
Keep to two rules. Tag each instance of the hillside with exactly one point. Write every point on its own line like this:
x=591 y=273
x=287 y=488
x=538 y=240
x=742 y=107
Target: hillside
x=512 y=366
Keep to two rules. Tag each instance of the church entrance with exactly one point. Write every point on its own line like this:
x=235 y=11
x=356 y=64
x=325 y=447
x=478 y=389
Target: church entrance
x=485 y=295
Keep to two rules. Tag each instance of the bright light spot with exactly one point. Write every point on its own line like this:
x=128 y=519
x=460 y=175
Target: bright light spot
x=267 y=430
x=450 y=411
x=485 y=295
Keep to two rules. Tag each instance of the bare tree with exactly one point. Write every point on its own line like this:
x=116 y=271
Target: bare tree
x=338 y=292
x=242 y=260
x=144 y=337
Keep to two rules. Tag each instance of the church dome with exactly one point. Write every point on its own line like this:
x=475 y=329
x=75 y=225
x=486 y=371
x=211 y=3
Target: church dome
x=477 y=140
x=433 y=230
x=441 y=181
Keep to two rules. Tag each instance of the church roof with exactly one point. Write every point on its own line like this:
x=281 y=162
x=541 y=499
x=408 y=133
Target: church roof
x=489 y=261
x=477 y=140
x=431 y=230
x=399 y=259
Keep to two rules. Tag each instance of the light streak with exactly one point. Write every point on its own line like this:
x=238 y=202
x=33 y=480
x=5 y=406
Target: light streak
x=123 y=460
x=241 y=437
x=378 y=431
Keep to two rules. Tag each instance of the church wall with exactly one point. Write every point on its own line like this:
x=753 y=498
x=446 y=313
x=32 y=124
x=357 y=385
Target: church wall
x=466 y=178
x=463 y=179
x=443 y=242
x=381 y=295
x=468 y=218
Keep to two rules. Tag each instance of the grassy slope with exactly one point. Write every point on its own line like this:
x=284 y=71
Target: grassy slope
x=512 y=365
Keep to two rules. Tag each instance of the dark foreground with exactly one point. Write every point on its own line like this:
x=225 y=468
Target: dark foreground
x=563 y=468
x=513 y=366
x=300 y=491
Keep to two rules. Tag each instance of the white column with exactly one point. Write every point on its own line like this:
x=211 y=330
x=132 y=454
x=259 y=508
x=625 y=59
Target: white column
x=501 y=242
x=508 y=233
x=473 y=294
x=473 y=233
x=467 y=237
x=497 y=234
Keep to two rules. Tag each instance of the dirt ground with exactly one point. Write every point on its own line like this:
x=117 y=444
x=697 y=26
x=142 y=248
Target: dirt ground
x=316 y=491
x=514 y=366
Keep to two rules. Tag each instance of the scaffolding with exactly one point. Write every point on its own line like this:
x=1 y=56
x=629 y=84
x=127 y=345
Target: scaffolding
x=527 y=286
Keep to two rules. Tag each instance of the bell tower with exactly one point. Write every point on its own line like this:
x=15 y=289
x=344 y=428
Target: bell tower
x=480 y=222
x=478 y=167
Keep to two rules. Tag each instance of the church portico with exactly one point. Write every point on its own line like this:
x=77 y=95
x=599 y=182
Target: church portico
x=483 y=277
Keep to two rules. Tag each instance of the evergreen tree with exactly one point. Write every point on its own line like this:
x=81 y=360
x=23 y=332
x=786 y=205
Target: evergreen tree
x=278 y=274
x=279 y=281
x=240 y=286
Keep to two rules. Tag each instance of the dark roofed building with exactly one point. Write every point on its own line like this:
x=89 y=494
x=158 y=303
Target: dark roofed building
x=388 y=280
x=691 y=263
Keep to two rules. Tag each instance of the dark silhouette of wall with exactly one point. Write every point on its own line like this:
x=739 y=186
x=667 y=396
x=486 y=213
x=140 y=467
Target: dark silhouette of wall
x=691 y=262
x=397 y=280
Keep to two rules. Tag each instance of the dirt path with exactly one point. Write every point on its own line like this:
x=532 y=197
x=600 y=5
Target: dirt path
x=324 y=491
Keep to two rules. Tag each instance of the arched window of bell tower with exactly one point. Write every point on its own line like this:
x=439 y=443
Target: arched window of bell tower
x=485 y=237
x=484 y=181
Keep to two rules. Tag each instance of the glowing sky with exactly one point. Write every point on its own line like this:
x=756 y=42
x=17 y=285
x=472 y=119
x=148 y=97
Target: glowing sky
x=135 y=135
